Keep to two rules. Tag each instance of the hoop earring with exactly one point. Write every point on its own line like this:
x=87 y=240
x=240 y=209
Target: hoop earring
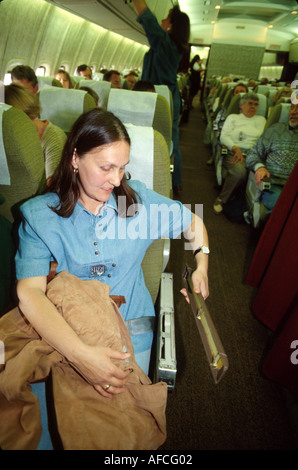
x=76 y=171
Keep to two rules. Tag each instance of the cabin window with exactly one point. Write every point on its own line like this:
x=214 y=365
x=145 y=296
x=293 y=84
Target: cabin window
x=41 y=71
x=7 y=78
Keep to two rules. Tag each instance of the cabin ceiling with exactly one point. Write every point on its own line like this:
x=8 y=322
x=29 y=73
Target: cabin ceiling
x=119 y=16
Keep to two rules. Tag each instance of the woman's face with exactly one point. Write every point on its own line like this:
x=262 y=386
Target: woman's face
x=99 y=171
x=249 y=107
x=63 y=79
x=239 y=89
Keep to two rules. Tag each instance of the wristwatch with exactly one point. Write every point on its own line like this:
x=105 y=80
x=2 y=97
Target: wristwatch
x=203 y=249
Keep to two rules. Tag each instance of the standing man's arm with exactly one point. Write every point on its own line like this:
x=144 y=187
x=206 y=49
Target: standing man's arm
x=140 y=5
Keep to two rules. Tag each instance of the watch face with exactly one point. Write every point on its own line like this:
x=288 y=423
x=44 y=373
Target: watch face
x=205 y=250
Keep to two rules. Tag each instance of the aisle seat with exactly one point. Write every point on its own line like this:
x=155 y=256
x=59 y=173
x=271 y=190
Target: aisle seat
x=22 y=151
x=149 y=163
x=62 y=106
x=143 y=155
x=164 y=90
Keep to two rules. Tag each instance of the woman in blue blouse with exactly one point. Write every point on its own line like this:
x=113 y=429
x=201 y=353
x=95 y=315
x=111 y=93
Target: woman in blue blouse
x=167 y=44
x=81 y=224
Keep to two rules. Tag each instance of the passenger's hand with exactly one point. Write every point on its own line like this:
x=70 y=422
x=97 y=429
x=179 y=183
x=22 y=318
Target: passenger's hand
x=237 y=157
x=260 y=174
x=96 y=365
x=200 y=284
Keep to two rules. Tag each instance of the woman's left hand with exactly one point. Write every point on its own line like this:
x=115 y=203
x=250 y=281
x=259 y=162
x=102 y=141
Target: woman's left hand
x=200 y=284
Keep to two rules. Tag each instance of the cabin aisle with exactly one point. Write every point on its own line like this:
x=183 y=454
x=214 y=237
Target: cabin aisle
x=244 y=411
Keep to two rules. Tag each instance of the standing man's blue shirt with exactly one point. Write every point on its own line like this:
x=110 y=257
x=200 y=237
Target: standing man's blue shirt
x=162 y=60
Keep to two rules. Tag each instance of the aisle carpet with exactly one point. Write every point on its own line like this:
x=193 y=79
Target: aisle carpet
x=244 y=411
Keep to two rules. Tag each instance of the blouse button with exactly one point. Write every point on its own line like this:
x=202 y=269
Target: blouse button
x=114 y=264
x=109 y=275
x=95 y=243
x=96 y=252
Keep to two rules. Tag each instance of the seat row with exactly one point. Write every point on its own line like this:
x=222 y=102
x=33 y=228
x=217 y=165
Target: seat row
x=230 y=104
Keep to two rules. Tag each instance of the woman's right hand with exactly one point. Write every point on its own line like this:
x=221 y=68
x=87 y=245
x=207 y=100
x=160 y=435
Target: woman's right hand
x=237 y=157
x=96 y=365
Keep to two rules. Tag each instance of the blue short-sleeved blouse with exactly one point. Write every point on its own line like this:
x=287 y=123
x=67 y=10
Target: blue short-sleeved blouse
x=106 y=247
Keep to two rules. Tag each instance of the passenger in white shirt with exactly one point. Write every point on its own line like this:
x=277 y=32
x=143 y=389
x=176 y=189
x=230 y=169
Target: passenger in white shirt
x=238 y=134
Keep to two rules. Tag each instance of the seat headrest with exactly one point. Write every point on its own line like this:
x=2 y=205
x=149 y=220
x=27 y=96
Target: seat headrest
x=141 y=162
x=61 y=106
x=48 y=81
x=97 y=76
x=133 y=107
x=164 y=91
x=102 y=88
x=4 y=171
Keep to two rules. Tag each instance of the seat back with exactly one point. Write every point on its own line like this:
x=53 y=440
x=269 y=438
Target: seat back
x=149 y=163
x=102 y=88
x=263 y=89
x=164 y=90
x=142 y=109
x=279 y=113
x=25 y=161
x=48 y=81
x=62 y=106
x=270 y=93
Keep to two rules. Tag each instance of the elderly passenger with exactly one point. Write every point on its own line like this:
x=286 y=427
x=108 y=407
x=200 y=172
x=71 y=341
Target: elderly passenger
x=274 y=155
x=238 y=134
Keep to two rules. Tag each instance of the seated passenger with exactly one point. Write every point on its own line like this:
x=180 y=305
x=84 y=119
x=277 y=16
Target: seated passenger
x=221 y=115
x=64 y=78
x=251 y=83
x=131 y=78
x=61 y=225
x=114 y=77
x=84 y=71
x=274 y=155
x=238 y=134
x=144 y=85
x=284 y=92
x=52 y=138
x=25 y=75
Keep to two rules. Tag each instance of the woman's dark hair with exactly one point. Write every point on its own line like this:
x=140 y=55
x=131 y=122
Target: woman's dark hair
x=92 y=129
x=196 y=57
x=180 y=28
